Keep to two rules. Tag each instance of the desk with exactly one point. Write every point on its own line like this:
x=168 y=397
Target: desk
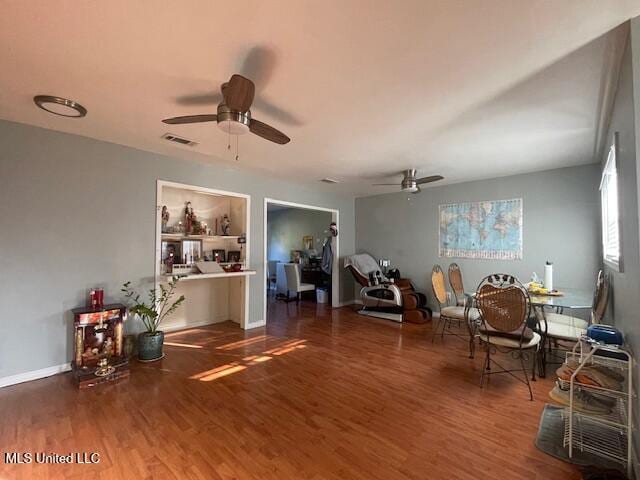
x=312 y=275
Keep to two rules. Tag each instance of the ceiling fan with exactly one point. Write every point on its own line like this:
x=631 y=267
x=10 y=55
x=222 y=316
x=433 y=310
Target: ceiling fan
x=412 y=184
x=234 y=114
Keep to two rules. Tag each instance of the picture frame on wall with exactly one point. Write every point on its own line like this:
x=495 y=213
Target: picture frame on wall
x=219 y=255
x=233 y=256
x=307 y=242
x=191 y=251
x=171 y=247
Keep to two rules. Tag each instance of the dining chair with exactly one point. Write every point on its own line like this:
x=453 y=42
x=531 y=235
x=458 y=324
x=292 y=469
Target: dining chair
x=556 y=326
x=463 y=299
x=457 y=286
x=450 y=313
x=272 y=275
x=294 y=285
x=504 y=307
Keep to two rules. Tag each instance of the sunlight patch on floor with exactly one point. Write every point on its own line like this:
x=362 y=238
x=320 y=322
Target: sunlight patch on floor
x=234 y=367
x=183 y=345
x=218 y=372
x=243 y=343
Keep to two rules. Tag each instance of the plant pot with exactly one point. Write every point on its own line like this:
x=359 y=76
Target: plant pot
x=150 y=346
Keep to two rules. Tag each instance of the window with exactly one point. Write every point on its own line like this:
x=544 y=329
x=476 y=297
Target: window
x=610 y=212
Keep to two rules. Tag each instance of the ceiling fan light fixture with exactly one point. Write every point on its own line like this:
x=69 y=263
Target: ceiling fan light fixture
x=232 y=121
x=60 y=106
x=409 y=185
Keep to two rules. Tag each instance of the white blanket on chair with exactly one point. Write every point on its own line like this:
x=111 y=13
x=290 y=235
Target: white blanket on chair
x=363 y=263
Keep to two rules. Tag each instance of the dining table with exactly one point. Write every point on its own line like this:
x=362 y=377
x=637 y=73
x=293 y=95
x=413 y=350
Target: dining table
x=563 y=299
x=567 y=299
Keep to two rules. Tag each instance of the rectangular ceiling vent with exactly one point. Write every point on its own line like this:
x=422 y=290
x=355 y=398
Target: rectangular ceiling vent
x=329 y=180
x=182 y=141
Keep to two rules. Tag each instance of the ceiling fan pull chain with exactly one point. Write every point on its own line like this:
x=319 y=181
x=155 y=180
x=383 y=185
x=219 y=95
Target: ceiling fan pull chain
x=237 y=148
x=228 y=134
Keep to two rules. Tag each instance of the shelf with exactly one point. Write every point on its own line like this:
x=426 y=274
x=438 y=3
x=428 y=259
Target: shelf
x=617 y=419
x=595 y=438
x=180 y=236
x=566 y=384
x=202 y=276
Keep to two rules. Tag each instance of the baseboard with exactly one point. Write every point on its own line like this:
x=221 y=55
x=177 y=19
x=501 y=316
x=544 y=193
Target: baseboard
x=257 y=324
x=347 y=303
x=34 y=375
x=187 y=326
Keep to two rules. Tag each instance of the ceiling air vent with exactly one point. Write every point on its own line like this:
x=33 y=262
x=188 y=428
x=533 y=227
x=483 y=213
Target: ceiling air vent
x=182 y=141
x=329 y=180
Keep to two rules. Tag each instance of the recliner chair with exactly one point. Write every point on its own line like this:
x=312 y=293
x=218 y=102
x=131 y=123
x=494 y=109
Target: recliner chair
x=383 y=297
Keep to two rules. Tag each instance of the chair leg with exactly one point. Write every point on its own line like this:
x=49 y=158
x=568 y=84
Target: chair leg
x=486 y=366
x=298 y=297
x=533 y=365
x=542 y=361
x=435 y=330
x=526 y=376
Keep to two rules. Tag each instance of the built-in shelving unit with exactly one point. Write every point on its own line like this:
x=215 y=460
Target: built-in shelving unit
x=212 y=238
x=214 y=297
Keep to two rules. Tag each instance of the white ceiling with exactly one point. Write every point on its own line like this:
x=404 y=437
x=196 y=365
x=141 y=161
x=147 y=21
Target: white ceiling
x=467 y=89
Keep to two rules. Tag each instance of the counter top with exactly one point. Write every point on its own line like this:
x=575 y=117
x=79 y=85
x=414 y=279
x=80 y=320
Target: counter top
x=198 y=276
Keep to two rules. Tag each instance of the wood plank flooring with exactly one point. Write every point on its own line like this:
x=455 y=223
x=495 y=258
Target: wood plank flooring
x=317 y=394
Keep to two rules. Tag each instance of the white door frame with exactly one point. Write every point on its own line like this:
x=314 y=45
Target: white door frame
x=335 y=273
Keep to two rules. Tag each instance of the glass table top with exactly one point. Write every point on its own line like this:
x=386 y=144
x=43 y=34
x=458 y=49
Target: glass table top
x=573 y=298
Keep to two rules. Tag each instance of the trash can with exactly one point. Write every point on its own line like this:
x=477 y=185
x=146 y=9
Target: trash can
x=321 y=295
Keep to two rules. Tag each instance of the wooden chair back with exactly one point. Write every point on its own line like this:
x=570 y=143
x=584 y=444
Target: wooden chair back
x=503 y=302
x=600 y=298
x=438 y=286
x=455 y=280
x=292 y=272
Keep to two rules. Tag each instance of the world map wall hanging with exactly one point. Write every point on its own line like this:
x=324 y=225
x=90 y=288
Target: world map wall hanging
x=489 y=230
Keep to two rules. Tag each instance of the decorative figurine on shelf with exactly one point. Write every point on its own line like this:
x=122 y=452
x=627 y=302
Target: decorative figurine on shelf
x=225 y=225
x=165 y=218
x=189 y=218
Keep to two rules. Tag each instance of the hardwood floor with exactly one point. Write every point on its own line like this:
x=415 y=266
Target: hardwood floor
x=318 y=394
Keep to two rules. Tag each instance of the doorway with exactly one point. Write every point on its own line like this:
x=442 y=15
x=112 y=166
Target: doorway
x=296 y=233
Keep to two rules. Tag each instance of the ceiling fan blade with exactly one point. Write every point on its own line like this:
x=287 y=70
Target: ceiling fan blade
x=199 y=99
x=191 y=119
x=386 y=184
x=238 y=93
x=433 y=178
x=265 y=131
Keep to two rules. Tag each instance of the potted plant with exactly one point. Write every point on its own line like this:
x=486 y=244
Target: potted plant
x=152 y=312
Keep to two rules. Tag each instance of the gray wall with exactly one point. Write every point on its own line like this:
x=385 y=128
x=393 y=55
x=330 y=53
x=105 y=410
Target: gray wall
x=626 y=284
x=286 y=227
x=561 y=223
x=76 y=213
x=623 y=307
